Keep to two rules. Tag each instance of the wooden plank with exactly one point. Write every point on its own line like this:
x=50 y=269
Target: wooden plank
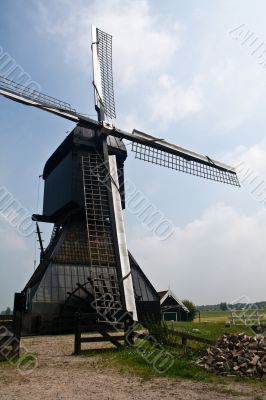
x=84 y=323
x=77 y=344
x=110 y=339
x=91 y=339
x=188 y=336
x=184 y=336
x=95 y=327
x=88 y=316
x=18 y=325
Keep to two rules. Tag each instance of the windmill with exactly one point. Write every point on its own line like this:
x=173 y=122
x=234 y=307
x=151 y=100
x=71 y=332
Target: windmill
x=87 y=257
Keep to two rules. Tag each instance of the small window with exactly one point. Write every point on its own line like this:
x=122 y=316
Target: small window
x=169 y=316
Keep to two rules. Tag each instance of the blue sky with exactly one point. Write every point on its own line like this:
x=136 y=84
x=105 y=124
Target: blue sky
x=178 y=74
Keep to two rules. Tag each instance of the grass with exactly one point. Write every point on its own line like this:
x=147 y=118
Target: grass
x=134 y=359
x=25 y=361
x=140 y=362
x=209 y=330
x=213 y=316
x=220 y=316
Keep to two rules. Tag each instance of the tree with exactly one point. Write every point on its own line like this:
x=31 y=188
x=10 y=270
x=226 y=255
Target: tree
x=8 y=311
x=192 y=309
x=223 y=306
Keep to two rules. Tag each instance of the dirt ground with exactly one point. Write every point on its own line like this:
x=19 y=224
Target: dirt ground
x=62 y=376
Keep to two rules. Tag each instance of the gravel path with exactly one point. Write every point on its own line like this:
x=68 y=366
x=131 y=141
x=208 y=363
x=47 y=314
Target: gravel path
x=61 y=376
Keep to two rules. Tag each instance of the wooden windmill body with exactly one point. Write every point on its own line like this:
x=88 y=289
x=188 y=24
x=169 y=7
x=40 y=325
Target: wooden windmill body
x=87 y=266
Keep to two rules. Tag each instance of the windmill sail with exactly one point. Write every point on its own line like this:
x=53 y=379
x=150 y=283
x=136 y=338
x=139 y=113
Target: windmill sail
x=23 y=94
x=146 y=147
x=102 y=73
x=158 y=151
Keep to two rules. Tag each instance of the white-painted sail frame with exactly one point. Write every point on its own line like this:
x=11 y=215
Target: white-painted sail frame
x=122 y=244
x=97 y=81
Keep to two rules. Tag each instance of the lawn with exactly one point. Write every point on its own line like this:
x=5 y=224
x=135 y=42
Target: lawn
x=183 y=366
x=213 y=316
x=142 y=361
x=220 y=316
x=209 y=330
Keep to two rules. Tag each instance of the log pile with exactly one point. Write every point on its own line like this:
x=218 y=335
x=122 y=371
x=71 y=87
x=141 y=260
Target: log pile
x=237 y=353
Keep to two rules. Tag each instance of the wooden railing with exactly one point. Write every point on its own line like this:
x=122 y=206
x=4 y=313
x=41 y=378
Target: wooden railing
x=185 y=337
x=188 y=336
x=88 y=323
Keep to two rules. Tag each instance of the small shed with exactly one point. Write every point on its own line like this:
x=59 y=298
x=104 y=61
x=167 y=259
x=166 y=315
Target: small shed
x=172 y=308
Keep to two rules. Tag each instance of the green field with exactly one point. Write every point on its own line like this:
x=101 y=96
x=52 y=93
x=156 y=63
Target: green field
x=220 y=316
x=211 y=327
x=133 y=360
x=209 y=330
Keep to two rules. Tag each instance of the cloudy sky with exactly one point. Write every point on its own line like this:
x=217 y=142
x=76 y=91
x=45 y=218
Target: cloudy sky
x=192 y=72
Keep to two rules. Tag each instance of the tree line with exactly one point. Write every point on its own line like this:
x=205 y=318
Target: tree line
x=227 y=306
x=7 y=311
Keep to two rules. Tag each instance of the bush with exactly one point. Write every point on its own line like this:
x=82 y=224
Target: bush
x=162 y=333
x=192 y=309
x=223 y=306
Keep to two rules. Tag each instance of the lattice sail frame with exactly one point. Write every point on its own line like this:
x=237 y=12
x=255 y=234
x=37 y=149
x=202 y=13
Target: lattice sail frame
x=184 y=164
x=103 y=71
x=104 y=48
x=146 y=147
x=8 y=86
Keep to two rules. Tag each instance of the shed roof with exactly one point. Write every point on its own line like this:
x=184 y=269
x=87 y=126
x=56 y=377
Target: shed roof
x=168 y=293
x=162 y=293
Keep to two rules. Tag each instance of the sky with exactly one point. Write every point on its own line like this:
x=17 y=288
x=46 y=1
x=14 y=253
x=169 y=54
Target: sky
x=191 y=72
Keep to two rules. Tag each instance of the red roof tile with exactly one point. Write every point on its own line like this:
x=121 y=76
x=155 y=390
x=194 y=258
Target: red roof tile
x=162 y=293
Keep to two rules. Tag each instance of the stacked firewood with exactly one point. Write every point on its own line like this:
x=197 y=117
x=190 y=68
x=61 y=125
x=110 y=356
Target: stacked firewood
x=237 y=353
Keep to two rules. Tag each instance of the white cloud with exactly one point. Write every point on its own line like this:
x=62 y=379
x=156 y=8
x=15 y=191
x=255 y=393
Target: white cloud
x=253 y=157
x=218 y=257
x=9 y=237
x=234 y=91
x=250 y=165
x=142 y=44
x=249 y=162
x=171 y=101
x=16 y=262
x=166 y=67
x=144 y=49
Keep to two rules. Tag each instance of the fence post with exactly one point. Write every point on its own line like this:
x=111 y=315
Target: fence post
x=77 y=348
x=17 y=326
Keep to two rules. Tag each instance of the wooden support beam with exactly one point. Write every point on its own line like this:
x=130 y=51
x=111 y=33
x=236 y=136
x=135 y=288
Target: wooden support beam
x=84 y=323
x=92 y=339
